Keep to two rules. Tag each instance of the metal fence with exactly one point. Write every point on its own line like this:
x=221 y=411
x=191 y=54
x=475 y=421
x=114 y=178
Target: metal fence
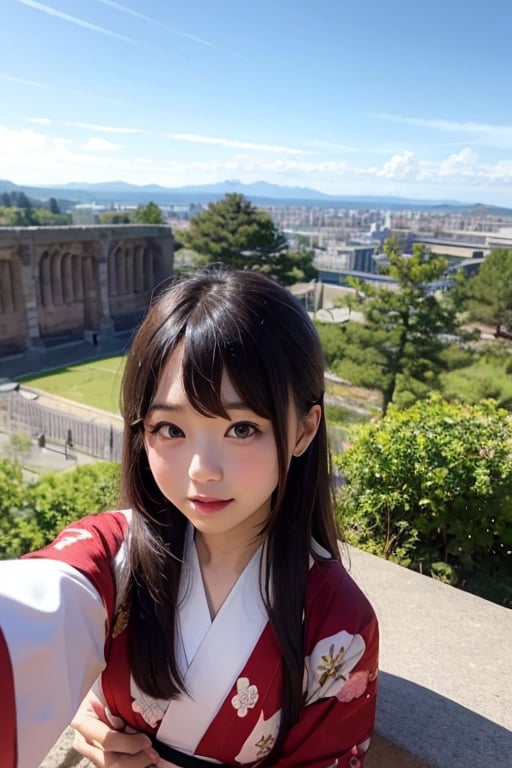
x=68 y=430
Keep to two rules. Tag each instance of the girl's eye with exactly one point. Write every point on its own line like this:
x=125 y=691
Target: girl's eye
x=242 y=430
x=166 y=430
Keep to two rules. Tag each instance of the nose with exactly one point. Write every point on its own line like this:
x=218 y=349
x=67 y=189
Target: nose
x=205 y=466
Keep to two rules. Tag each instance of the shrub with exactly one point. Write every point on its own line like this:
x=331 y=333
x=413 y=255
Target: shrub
x=40 y=510
x=431 y=487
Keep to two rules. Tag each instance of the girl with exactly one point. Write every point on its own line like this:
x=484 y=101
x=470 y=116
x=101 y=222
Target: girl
x=214 y=605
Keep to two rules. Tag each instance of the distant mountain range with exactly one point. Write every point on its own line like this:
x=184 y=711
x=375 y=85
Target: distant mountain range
x=260 y=192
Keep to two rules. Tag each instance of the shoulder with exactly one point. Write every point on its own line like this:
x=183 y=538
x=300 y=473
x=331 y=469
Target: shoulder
x=95 y=546
x=92 y=536
x=341 y=636
x=334 y=601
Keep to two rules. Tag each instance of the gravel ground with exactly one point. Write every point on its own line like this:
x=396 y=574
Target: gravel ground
x=64 y=756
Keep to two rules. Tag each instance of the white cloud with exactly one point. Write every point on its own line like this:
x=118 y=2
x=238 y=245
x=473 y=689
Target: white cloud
x=221 y=142
x=481 y=133
x=97 y=144
x=31 y=156
x=463 y=163
x=39 y=120
x=22 y=81
x=14 y=143
x=399 y=167
x=104 y=128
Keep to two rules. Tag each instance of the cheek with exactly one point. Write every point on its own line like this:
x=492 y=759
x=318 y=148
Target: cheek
x=263 y=467
x=162 y=466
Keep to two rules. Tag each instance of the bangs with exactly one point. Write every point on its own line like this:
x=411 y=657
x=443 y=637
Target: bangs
x=211 y=349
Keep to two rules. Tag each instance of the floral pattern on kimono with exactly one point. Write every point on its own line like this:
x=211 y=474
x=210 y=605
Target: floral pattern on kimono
x=329 y=665
x=151 y=710
x=260 y=740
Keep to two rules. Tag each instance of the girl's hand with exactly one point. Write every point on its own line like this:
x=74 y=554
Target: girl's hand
x=105 y=747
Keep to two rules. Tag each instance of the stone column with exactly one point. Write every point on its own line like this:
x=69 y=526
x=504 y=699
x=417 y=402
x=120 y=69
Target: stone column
x=105 y=325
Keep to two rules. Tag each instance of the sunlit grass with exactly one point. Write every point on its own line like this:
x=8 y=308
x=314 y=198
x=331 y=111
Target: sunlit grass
x=95 y=383
x=485 y=378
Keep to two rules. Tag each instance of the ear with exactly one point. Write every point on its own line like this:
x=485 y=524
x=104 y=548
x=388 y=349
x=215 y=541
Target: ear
x=307 y=429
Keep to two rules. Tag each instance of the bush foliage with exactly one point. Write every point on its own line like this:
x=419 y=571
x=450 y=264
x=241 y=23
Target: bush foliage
x=31 y=514
x=431 y=488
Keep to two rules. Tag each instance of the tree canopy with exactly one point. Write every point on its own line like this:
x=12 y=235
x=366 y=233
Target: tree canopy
x=489 y=293
x=148 y=214
x=234 y=232
x=399 y=344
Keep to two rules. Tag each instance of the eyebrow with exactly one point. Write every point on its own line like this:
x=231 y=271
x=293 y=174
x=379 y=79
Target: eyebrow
x=236 y=405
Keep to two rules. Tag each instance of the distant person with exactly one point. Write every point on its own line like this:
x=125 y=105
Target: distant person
x=212 y=611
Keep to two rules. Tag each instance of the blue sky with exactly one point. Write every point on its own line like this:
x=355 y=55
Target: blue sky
x=375 y=97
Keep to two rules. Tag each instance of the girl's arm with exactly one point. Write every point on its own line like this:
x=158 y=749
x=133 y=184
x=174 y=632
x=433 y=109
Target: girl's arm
x=56 y=606
x=53 y=624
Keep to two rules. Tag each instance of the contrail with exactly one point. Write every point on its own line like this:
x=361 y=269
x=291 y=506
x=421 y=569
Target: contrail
x=150 y=20
x=74 y=20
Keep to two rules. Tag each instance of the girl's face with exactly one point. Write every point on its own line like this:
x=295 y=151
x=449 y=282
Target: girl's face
x=220 y=473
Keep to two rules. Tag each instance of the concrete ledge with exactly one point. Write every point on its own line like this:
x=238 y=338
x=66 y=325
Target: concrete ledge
x=445 y=696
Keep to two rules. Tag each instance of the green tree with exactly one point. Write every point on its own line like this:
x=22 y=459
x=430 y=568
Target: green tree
x=489 y=293
x=399 y=346
x=42 y=217
x=21 y=217
x=20 y=446
x=234 y=232
x=115 y=217
x=148 y=214
x=431 y=487
x=53 y=206
x=20 y=200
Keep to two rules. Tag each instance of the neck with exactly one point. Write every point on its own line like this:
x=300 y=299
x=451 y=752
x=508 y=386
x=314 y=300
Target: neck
x=217 y=552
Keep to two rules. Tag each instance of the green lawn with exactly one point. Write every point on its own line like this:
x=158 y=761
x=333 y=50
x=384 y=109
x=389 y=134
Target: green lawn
x=95 y=383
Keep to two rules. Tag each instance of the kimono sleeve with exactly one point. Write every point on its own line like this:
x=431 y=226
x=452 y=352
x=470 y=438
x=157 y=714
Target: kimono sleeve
x=8 y=715
x=54 y=614
x=341 y=667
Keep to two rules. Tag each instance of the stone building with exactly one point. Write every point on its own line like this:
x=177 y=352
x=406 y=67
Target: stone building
x=62 y=284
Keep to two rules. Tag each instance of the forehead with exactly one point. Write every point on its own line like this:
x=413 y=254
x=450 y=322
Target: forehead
x=170 y=386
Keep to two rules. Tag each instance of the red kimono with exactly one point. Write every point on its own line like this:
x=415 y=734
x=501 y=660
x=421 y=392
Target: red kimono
x=231 y=666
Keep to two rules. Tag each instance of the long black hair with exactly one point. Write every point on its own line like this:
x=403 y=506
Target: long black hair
x=245 y=324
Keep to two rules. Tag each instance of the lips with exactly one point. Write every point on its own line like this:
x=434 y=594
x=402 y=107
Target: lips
x=209 y=505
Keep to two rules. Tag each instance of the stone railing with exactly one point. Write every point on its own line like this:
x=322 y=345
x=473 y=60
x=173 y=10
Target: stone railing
x=445 y=691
